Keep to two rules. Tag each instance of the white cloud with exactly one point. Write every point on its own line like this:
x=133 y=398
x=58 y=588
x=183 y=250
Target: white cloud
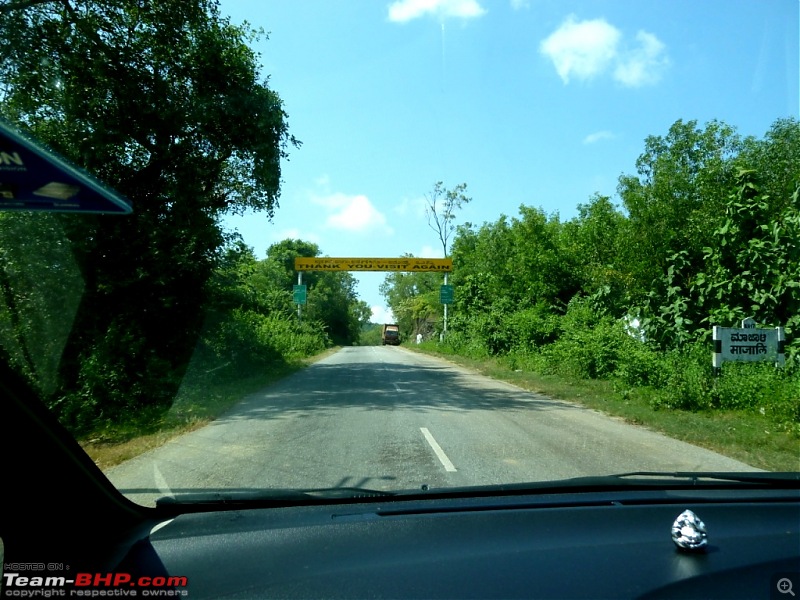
x=598 y=136
x=520 y=4
x=582 y=49
x=402 y=11
x=586 y=49
x=644 y=64
x=381 y=314
x=352 y=213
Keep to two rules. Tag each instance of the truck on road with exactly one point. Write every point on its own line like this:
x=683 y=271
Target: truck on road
x=391 y=334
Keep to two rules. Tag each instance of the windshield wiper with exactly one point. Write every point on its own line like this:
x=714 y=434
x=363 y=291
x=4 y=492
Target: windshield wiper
x=265 y=498
x=231 y=499
x=634 y=481
x=763 y=478
x=639 y=480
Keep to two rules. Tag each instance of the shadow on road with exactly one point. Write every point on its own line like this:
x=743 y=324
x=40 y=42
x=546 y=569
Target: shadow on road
x=385 y=386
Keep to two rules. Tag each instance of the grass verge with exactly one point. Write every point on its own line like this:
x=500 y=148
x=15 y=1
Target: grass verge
x=743 y=435
x=199 y=401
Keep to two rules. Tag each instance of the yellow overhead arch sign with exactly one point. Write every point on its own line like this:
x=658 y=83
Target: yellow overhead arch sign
x=438 y=265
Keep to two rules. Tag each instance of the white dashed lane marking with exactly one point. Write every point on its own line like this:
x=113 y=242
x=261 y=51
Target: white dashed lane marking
x=448 y=466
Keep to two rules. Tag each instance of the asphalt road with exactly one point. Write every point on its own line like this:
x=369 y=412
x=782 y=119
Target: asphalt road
x=388 y=418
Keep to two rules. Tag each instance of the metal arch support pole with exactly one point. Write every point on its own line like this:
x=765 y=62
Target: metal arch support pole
x=445 y=308
x=299 y=306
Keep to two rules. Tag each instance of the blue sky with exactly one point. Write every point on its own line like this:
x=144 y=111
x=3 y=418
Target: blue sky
x=536 y=102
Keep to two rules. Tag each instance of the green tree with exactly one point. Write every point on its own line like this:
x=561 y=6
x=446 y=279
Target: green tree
x=332 y=297
x=731 y=253
x=538 y=269
x=682 y=182
x=440 y=209
x=596 y=243
x=512 y=276
x=165 y=102
x=751 y=270
x=480 y=261
x=40 y=289
x=776 y=160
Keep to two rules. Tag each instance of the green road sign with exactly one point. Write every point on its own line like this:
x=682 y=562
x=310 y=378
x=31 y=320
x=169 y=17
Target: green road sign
x=299 y=292
x=446 y=294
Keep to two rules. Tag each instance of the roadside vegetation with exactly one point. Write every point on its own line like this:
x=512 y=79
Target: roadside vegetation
x=371 y=335
x=106 y=315
x=621 y=300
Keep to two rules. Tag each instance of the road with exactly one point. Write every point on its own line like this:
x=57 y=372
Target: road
x=389 y=418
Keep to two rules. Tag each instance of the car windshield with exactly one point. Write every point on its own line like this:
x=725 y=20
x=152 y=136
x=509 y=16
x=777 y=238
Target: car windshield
x=405 y=245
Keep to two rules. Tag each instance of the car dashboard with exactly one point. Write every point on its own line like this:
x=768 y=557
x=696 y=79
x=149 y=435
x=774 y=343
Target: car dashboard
x=576 y=545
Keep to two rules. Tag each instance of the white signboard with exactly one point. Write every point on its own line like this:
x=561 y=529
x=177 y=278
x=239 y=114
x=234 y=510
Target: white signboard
x=749 y=344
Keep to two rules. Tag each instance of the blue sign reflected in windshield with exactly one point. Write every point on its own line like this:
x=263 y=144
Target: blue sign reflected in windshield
x=34 y=178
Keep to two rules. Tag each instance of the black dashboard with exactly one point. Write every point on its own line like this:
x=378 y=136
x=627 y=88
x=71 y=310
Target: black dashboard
x=590 y=545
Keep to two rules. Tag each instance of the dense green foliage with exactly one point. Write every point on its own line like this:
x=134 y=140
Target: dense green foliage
x=251 y=320
x=371 y=335
x=164 y=102
x=708 y=233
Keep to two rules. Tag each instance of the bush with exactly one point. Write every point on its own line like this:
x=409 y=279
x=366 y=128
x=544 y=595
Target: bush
x=759 y=387
x=250 y=339
x=590 y=346
x=465 y=343
x=530 y=328
x=687 y=379
x=468 y=334
x=641 y=365
x=120 y=375
x=584 y=344
x=293 y=339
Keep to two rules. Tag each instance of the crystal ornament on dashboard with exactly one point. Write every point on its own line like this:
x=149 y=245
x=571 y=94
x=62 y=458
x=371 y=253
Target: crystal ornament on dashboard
x=689 y=532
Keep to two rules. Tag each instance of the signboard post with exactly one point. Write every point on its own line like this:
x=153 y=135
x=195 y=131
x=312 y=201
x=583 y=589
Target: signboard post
x=299 y=295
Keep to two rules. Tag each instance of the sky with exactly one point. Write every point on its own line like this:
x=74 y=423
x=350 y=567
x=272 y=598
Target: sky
x=542 y=103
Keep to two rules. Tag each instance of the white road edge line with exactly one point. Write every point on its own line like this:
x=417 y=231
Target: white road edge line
x=448 y=466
